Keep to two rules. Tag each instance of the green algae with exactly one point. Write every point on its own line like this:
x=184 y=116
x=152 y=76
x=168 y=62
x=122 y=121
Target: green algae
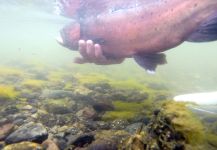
x=211 y=139
x=184 y=121
x=91 y=78
x=126 y=115
x=124 y=110
x=7 y=93
x=7 y=71
x=33 y=84
x=127 y=106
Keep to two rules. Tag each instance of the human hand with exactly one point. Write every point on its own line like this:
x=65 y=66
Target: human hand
x=92 y=53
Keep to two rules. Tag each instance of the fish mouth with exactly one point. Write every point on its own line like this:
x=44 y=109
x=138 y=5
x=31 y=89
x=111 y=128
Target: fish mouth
x=59 y=39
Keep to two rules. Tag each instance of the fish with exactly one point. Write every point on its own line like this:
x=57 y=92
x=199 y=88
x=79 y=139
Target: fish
x=140 y=29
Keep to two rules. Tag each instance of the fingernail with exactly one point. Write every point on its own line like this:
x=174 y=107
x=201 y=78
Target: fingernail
x=81 y=41
x=89 y=41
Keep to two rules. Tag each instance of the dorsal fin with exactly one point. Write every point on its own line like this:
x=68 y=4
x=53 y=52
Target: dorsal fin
x=206 y=32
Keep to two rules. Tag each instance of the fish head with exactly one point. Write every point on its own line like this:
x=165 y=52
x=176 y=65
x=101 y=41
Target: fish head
x=69 y=36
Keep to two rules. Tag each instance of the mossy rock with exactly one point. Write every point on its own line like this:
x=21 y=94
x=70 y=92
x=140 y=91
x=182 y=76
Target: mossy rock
x=59 y=106
x=23 y=146
x=7 y=93
x=91 y=78
x=184 y=121
x=34 y=85
x=212 y=139
x=112 y=115
x=124 y=110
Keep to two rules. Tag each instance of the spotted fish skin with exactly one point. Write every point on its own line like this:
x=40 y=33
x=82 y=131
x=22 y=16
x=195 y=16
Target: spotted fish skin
x=141 y=27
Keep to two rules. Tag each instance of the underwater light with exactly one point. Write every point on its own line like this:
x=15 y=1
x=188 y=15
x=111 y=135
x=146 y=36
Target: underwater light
x=206 y=98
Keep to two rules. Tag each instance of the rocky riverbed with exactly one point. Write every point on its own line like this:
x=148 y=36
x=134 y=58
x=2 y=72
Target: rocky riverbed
x=58 y=110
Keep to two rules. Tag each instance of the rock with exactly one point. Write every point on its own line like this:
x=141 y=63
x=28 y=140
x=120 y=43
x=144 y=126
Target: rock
x=119 y=124
x=10 y=110
x=72 y=131
x=18 y=122
x=86 y=113
x=59 y=106
x=2 y=144
x=101 y=107
x=27 y=107
x=5 y=130
x=132 y=128
x=19 y=117
x=106 y=138
x=50 y=120
x=33 y=110
x=23 y=146
x=57 y=109
x=102 y=125
x=103 y=145
x=33 y=101
x=56 y=94
x=30 y=95
x=61 y=143
x=50 y=145
x=3 y=121
x=34 y=132
x=81 y=140
x=129 y=95
x=99 y=87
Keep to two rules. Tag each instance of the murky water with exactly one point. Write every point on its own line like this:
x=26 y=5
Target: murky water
x=29 y=51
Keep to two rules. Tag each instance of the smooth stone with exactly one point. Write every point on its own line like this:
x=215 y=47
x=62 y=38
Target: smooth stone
x=86 y=113
x=23 y=146
x=103 y=145
x=61 y=143
x=34 y=132
x=27 y=107
x=5 y=130
x=81 y=140
x=10 y=110
x=50 y=145
x=57 y=109
x=101 y=107
x=19 y=122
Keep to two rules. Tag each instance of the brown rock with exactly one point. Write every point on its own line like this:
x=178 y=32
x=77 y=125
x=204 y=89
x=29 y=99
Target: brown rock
x=86 y=113
x=50 y=145
x=5 y=130
x=23 y=146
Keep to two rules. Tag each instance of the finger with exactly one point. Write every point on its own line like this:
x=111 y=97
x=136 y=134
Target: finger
x=98 y=53
x=90 y=50
x=82 y=48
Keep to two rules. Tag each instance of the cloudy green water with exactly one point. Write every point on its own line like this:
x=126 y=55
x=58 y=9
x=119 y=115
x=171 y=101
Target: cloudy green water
x=27 y=34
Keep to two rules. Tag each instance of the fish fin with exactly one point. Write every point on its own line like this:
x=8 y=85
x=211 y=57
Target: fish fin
x=206 y=32
x=150 y=61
